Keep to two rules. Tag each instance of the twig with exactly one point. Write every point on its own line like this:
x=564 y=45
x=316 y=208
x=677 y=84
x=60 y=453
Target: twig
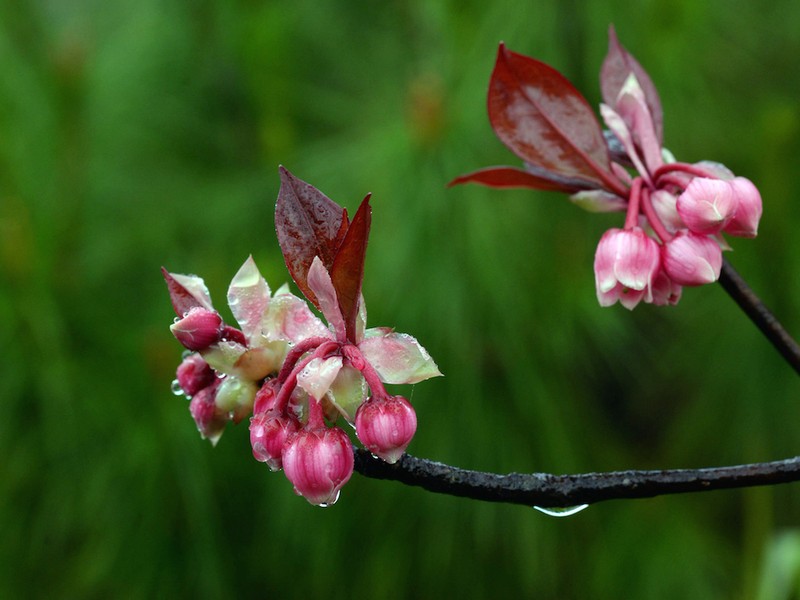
x=547 y=490
x=759 y=314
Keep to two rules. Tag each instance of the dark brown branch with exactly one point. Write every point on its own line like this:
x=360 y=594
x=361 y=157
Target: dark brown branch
x=759 y=314
x=547 y=490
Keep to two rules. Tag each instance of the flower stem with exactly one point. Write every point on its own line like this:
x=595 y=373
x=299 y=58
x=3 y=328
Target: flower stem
x=290 y=382
x=632 y=216
x=357 y=360
x=295 y=353
x=653 y=218
x=683 y=167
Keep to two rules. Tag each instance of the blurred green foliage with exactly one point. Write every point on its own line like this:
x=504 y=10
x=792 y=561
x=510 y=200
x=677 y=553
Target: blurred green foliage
x=136 y=134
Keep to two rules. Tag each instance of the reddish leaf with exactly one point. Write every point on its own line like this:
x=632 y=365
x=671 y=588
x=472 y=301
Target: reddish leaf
x=186 y=292
x=511 y=177
x=308 y=224
x=347 y=273
x=544 y=120
x=617 y=67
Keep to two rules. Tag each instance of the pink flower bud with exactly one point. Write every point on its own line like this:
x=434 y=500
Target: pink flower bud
x=318 y=462
x=706 y=205
x=692 y=259
x=198 y=329
x=265 y=397
x=204 y=412
x=386 y=426
x=268 y=434
x=748 y=212
x=194 y=374
x=624 y=266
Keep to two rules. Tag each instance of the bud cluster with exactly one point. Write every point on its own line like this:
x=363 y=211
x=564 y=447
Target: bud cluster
x=673 y=234
x=676 y=213
x=294 y=377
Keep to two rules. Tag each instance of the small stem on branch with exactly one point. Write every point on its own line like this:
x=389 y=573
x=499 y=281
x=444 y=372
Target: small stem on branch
x=759 y=314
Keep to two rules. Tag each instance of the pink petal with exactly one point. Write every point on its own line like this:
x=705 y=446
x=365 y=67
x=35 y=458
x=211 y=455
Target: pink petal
x=248 y=297
x=319 y=281
x=318 y=375
x=289 y=319
x=398 y=358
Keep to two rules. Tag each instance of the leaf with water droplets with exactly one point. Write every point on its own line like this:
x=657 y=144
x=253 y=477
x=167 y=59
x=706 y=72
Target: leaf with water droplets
x=308 y=224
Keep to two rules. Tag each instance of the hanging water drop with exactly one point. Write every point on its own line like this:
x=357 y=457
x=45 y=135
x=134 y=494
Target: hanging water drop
x=331 y=503
x=176 y=388
x=566 y=511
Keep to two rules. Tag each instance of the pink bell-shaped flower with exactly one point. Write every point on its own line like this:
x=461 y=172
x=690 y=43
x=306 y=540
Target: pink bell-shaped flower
x=748 y=211
x=386 y=426
x=625 y=264
x=318 y=462
x=268 y=434
x=692 y=259
x=707 y=205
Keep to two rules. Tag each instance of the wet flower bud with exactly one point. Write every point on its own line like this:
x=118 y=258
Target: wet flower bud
x=318 y=462
x=204 y=412
x=198 y=329
x=194 y=374
x=624 y=266
x=748 y=211
x=268 y=434
x=235 y=398
x=706 y=205
x=386 y=426
x=692 y=259
x=265 y=397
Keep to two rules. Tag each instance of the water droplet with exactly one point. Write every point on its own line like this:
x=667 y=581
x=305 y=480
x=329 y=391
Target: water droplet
x=176 y=320
x=567 y=511
x=176 y=388
x=186 y=354
x=231 y=415
x=219 y=374
x=331 y=503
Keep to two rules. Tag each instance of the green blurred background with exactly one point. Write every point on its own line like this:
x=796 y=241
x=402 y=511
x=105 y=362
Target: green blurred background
x=148 y=133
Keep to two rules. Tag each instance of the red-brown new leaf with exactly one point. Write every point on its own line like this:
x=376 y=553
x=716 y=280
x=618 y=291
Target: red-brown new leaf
x=182 y=299
x=308 y=224
x=617 y=67
x=544 y=120
x=511 y=177
x=347 y=272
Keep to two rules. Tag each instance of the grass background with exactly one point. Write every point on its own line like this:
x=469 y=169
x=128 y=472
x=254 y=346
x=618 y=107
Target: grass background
x=136 y=134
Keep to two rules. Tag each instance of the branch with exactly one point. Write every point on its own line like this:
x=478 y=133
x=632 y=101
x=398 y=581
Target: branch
x=759 y=314
x=547 y=490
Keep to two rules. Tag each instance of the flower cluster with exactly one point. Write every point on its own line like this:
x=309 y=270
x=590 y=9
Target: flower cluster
x=676 y=213
x=295 y=375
